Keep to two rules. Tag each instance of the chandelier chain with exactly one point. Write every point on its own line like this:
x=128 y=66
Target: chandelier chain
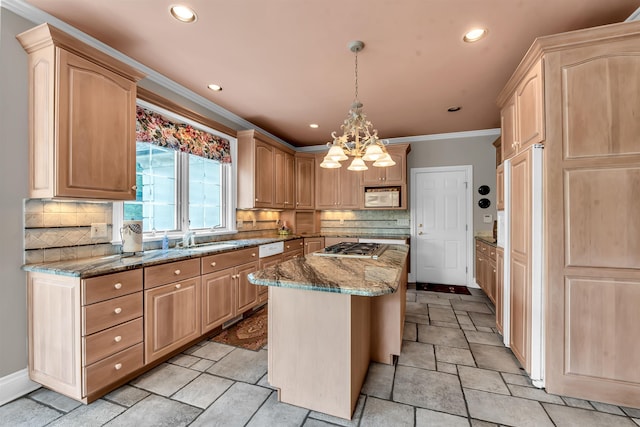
x=356 y=72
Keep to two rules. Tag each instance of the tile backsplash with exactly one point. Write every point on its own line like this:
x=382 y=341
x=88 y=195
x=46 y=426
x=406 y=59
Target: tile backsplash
x=380 y=223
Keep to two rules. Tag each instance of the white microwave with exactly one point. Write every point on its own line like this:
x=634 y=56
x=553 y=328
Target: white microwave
x=388 y=197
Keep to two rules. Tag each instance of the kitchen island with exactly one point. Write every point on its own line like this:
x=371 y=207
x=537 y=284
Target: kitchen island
x=328 y=318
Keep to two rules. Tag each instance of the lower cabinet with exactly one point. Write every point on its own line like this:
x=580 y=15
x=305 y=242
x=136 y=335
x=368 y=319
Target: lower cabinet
x=263 y=291
x=486 y=268
x=172 y=317
x=312 y=244
x=247 y=293
x=85 y=335
x=218 y=299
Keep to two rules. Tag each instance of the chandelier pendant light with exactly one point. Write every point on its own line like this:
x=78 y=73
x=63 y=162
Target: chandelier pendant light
x=358 y=140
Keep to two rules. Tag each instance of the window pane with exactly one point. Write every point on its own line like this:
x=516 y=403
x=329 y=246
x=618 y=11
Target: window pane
x=205 y=193
x=156 y=199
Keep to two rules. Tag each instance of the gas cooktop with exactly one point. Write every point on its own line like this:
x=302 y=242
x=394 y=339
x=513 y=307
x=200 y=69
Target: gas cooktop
x=353 y=250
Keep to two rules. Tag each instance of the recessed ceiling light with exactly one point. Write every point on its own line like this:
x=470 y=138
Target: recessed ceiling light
x=314 y=126
x=475 y=35
x=215 y=87
x=454 y=108
x=183 y=13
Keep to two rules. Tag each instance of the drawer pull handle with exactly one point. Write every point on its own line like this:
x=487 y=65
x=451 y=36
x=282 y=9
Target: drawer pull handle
x=117 y=310
x=213 y=264
x=177 y=272
x=178 y=286
x=118 y=285
x=118 y=338
x=118 y=366
x=288 y=246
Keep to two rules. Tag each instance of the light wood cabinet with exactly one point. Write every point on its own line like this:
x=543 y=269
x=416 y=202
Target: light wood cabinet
x=293 y=249
x=392 y=175
x=337 y=188
x=499 y=294
x=81 y=119
x=500 y=187
x=263 y=291
x=265 y=172
x=247 y=293
x=305 y=172
x=218 y=299
x=171 y=307
x=85 y=336
x=486 y=268
x=313 y=244
x=522 y=115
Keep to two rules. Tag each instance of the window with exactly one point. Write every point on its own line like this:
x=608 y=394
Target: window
x=179 y=187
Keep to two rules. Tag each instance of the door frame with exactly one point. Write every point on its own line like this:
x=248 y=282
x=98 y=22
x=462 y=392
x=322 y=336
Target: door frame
x=468 y=170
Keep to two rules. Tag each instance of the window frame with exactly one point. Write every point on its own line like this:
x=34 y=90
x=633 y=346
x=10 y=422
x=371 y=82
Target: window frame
x=228 y=196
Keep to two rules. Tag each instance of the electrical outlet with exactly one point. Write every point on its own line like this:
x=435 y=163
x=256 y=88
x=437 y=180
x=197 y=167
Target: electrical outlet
x=487 y=219
x=402 y=221
x=98 y=230
x=341 y=221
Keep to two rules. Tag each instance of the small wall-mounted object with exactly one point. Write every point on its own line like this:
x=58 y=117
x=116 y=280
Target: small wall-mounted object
x=484 y=203
x=483 y=190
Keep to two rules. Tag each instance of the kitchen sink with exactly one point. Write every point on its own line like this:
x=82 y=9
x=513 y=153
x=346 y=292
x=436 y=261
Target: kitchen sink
x=210 y=246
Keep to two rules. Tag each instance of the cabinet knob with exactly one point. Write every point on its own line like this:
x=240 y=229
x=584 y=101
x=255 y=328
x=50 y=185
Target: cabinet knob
x=178 y=286
x=253 y=254
x=118 y=366
x=134 y=187
x=213 y=264
x=177 y=272
x=117 y=310
x=256 y=199
x=118 y=338
x=117 y=285
x=288 y=246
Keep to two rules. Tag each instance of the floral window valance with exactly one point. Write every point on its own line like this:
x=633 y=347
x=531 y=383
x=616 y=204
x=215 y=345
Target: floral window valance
x=156 y=129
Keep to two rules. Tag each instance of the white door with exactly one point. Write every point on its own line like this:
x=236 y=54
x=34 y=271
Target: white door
x=441 y=224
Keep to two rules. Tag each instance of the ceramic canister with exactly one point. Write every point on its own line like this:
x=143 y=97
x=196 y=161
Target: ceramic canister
x=131 y=233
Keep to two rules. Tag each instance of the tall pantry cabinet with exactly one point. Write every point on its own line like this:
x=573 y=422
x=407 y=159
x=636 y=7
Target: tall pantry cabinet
x=588 y=120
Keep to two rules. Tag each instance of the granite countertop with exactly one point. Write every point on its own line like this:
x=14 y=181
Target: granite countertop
x=97 y=266
x=355 y=276
x=488 y=240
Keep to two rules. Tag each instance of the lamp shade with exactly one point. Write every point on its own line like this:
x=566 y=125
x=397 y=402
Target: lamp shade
x=357 y=165
x=336 y=153
x=373 y=153
x=384 y=161
x=328 y=163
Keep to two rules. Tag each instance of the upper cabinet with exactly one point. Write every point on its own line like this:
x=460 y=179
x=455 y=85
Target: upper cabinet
x=522 y=114
x=393 y=175
x=265 y=172
x=305 y=173
x=82 y=119
x=336 y=188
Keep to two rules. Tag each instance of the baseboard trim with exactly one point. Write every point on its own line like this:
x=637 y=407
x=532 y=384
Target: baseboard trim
x=16 y=385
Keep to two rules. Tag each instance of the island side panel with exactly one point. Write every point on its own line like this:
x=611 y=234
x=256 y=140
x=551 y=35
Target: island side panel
x=318 y=348
x=387 y=322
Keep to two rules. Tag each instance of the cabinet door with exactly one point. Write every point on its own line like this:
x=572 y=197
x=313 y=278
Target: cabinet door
x=95 y=150
x=348 y=190
x=500 y=188
x=264 y=175
x=374 y=175
x=326 y=185
x=305 y=182
x=530 y=108
x=397 y=174
x=283 y=178
x=490 y=275
x=520 y=238
x=247 y=293
x=313 y=244
x=480 y=268
x=271 y=261
x=218 y=299
x=289 y=181
x=172 y=317
x=499 y=288
x=508 y=124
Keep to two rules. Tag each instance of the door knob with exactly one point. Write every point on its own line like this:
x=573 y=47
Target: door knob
x=420 y=233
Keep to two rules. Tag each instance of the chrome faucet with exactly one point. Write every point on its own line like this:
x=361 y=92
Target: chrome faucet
x=188 y=239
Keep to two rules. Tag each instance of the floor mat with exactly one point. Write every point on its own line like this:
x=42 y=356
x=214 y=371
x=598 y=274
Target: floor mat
x=249 y=333
x=448 y=289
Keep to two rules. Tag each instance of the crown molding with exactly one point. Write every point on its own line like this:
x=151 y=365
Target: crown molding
x=493 y=133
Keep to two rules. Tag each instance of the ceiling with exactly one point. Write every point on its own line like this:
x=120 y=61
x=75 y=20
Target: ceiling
x=284 y=64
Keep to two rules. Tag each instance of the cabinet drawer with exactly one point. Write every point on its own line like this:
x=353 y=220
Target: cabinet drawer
x=213 y=263
x=293 y=254
x=111 y=369
x=171 y=272
x=110 y=286
x=110 y=341
x=293 y=245
x=103 y=315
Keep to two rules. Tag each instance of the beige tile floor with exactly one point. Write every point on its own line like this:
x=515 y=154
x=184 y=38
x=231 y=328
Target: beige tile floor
x=453 y=371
